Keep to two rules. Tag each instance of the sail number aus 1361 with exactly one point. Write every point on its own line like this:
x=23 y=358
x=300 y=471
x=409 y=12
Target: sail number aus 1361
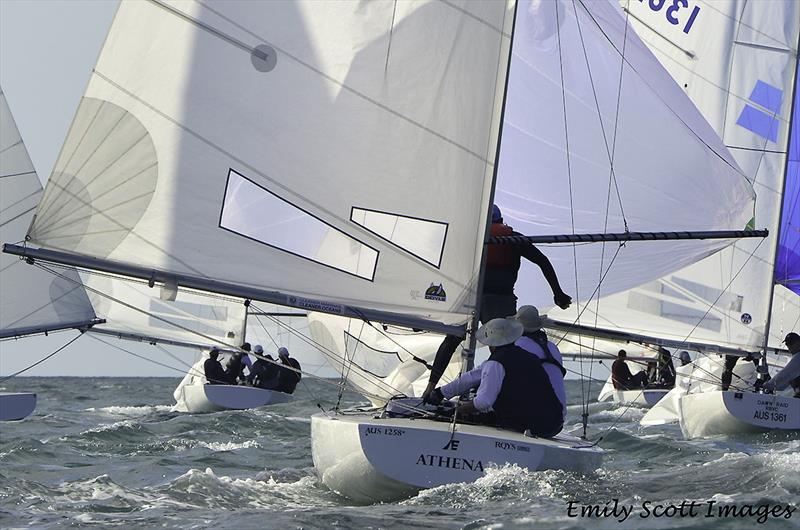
x=671 y=11
x=779 y=417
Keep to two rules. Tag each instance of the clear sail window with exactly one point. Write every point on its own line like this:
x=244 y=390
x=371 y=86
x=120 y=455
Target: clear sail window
x=256 y=213
x=421 y=237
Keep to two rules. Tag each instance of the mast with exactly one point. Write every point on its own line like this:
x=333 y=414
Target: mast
x=468 y=354
x=763 y=369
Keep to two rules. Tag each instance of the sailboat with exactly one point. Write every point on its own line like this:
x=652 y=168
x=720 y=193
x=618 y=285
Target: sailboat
x=342 y=157
x=379 y=456
x=33 y=301
x=739 y=64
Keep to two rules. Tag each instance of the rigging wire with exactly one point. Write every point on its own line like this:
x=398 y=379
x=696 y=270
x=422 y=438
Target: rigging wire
x=40 y=361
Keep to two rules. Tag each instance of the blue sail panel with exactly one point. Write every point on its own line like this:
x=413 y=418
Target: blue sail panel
x=787 y=265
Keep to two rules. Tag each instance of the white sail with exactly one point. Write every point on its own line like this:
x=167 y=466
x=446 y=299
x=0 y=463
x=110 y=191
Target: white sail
x=340 y=151
x=135 y=311
x=379 y=363
x=33 y=300
x=671 y=171
x=736 y=60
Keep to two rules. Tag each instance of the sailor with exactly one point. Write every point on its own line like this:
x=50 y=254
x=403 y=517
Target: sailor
x=730 y=364
x=264 y=369
x=289 y=374
x=666 y=370
x=236 y=364
x=514 y=391
x=621 y=375
x=498 y=298
x=789 y=374
x=685 y=358
x=212 y=368
x=534 y=340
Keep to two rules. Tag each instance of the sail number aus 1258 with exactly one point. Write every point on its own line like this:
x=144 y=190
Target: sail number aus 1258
x=671 y=11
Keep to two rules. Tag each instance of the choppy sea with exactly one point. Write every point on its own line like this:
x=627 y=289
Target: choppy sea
x=103 y=452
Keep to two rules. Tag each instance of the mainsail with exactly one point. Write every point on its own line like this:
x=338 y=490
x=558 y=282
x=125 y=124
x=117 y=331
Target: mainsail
x=241 y=141
x=33 y=300
x=736 y=60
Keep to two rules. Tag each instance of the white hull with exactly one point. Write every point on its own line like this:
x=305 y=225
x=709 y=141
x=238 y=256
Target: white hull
x=16 y=406
x=370 y=460
x=712 y=413
x=644 y=398
x=198 y=398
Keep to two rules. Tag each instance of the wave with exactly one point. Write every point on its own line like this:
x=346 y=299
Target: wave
x=142 y=410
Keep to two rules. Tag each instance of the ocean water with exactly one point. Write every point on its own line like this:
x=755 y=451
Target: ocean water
x=108 y=452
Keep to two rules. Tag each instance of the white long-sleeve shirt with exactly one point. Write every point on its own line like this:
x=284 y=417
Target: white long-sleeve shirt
x=488 y=377
x=786 y=375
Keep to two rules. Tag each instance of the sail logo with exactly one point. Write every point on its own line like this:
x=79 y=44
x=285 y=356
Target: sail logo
x=762 y=120
x=436 y=292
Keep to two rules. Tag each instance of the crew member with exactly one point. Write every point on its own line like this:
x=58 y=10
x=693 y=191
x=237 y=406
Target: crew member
x=498 y=298
x=621 y=375
x=513 y=389
x=789 y=374
x=212 y=368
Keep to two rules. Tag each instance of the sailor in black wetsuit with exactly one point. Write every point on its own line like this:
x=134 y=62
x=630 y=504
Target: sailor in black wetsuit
x=498 y=300
x=288 y=377
x=212 y=368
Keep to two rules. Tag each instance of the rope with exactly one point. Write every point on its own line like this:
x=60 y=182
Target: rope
x=40 y=361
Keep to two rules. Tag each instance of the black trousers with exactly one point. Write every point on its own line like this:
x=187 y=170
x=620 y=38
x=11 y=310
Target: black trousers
x=492 y=306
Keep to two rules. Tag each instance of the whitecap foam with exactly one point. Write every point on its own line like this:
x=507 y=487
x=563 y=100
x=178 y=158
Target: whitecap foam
x=131 y=410
x=229 y=446
x=623 y=414
x=509 y=480
x=110 y=427
x=224 y=492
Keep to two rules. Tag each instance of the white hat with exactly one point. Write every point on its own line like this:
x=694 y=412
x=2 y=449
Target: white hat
x=283 y=352
x=258 y=349
x=499 y=332
x=528 y=316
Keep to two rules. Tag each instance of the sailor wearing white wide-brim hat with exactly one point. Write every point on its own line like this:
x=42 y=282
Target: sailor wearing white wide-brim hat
x=512 y=387
x=534 y=341
x=488 y=377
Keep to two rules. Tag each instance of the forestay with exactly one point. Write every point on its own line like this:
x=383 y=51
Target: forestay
x=576 y=109
x=340 y=151
x=33 y=300
x=736 y=60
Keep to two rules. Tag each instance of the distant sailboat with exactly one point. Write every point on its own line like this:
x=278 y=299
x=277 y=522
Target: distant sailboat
x=33 y=301
x=341 y=158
